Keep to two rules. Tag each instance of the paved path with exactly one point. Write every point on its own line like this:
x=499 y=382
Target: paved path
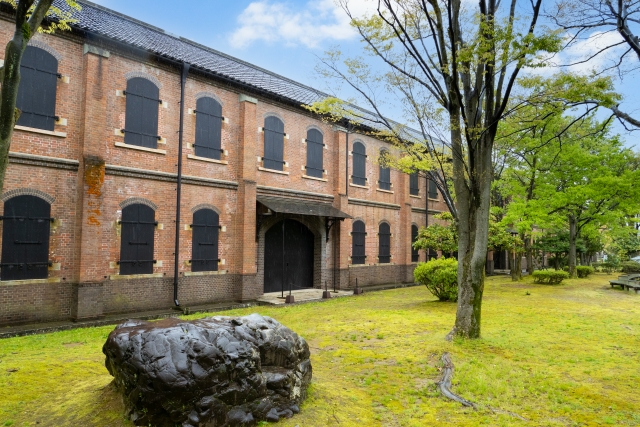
x=302 y=295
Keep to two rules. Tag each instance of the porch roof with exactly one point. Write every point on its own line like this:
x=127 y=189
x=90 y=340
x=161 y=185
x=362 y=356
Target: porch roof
x=301 y=207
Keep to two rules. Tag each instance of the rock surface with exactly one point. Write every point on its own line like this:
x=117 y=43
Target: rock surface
x=212 y=372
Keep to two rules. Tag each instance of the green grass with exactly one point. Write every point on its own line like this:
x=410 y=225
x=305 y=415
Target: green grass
x=564 y=355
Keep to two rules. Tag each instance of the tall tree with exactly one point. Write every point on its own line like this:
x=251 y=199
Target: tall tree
x=29 y=18
x=592 y=185
x=458 y=61
x=531 y=139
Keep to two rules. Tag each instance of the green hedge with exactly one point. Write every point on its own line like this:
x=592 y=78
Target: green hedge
x=550 y=277
x=608 y=266
x=440 y=276
x=630 y=267
x=584 y=270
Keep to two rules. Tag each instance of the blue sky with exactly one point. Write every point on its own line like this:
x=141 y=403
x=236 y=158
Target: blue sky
x=288 y=36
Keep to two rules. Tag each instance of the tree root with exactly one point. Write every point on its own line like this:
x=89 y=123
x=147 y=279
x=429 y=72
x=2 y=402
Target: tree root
x=444 y=385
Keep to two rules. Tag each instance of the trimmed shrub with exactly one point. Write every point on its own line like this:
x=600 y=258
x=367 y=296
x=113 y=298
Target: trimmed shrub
x=550 y=277
x=630 y=267
x=440 y=276
x=584 y=270
x=609 y=267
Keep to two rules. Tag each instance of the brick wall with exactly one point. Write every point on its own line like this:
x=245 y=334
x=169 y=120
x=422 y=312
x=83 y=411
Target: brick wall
x=90 y=175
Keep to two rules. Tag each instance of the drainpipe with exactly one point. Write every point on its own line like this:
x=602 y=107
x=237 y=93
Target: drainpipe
x=346 y=163
x=183 y=80
x=426 y=204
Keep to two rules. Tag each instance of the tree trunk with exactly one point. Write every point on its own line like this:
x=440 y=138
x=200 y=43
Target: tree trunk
x=516 y=267
x=528 y=250
x=473 y=196
x=10 y=82
x=573 y=235
x=25 y=26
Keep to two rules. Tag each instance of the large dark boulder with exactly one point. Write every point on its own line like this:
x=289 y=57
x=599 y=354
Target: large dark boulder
x=217 y=371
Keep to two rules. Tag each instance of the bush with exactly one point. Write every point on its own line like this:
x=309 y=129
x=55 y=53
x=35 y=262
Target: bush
x=440 y=276
x=550 y=277
x=584 y=270
x=609 y=267
x=630 y=267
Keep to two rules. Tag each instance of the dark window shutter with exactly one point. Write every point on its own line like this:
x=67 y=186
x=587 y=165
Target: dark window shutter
x=414 y=189
x=315 y=148
x=137 y=240
x=273 y=143
x=204 y=249
x=384 y=243
x=359 y=164
x=358 y=235
x=141 y=120
x=433 y=190
x=25 y=238
x=208 y=128
x=384 y=183
x=414 y=236
x=37 y=90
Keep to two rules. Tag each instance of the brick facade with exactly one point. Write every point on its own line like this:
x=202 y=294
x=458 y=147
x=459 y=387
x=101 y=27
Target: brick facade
x=88 y=174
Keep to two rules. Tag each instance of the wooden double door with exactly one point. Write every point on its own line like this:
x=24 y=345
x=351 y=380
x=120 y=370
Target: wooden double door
x=288 y=256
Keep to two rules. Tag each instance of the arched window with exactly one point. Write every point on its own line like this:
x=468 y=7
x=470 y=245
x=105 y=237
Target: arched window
x=359 y=176
x=384 y=183
x=315 y=147
x=273 y=143
x=208 y=128
x=137 y=239
x=25 y=238
x=384 y=243
x=357 y=242
x=415 y=256
x=204 y=242
x=141 y=120
x=433 y=190
x=414 y=189
x=37 y=90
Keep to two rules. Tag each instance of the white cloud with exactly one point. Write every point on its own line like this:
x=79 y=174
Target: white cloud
x=579 y=52
x=308 y=25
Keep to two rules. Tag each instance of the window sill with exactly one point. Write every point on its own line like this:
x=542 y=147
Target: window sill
x=358 y=265
x=314 y=178
x=384 y=191
x=29 y=281
x=203 y=273
x=415 y=197
x=135 y=147
x=41 y=131
x=358 y=186
x=383 y=263
x=260 y=168
x=134 y=276
x=206 y=159
x=435 y=200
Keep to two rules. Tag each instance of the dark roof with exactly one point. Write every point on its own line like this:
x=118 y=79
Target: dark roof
x=301 y=207
x=112 y=25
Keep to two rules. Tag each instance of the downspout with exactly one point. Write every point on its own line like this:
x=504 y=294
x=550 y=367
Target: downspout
x=346 y=164
x=426 y=205
x=183 y=80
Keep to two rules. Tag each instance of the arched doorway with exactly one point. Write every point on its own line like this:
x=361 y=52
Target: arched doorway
x=288 y=255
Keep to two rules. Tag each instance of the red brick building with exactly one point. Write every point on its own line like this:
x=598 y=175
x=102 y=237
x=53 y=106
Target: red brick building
x=270 y=196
